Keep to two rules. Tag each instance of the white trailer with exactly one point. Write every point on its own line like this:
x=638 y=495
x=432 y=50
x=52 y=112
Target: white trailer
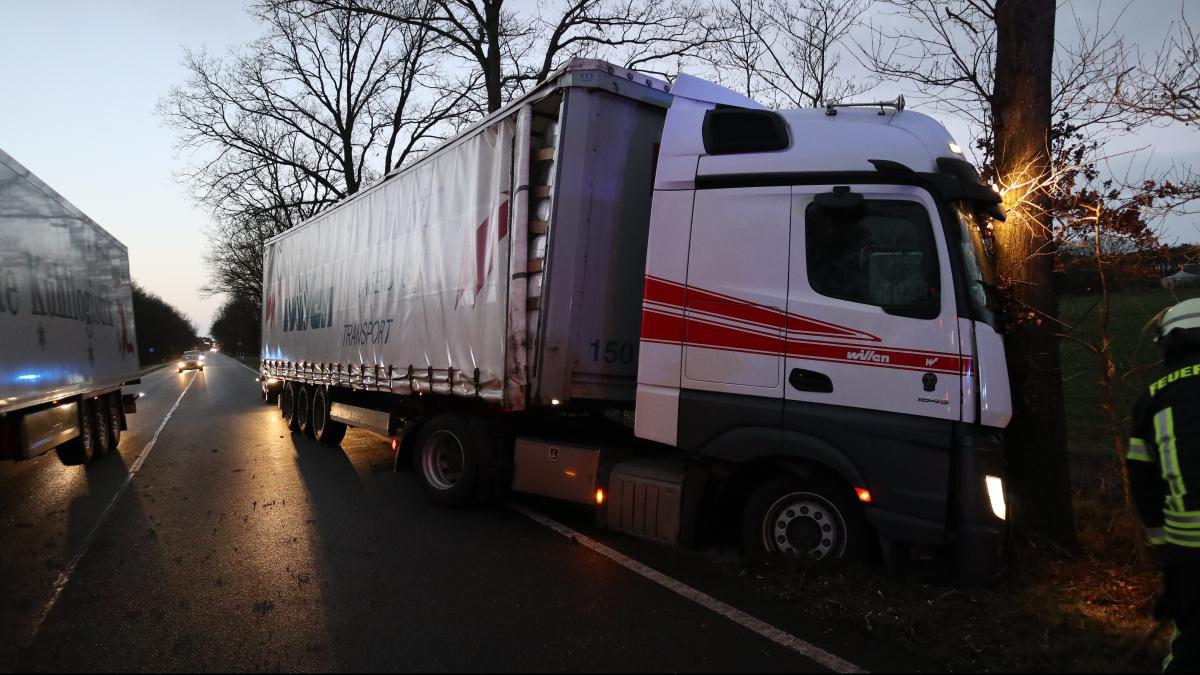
x=792 y=305
x=67 y=342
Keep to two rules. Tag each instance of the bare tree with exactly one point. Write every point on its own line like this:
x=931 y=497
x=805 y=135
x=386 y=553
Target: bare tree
x=510 y=50
x=1042 y=113
x=301 y=118
x=787 y=53
x=1168 y=87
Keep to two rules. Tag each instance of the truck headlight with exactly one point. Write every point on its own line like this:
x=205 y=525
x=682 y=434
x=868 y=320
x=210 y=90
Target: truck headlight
x=995 y=490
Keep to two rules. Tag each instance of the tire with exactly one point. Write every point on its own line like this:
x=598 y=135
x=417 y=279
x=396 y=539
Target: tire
x=180 y=370
x=202 y=369
x=101 y=427
x=811 y=519
x=304 y=398
x=114 y=425
x=291 y=408
x=404 y=444
x=82 y=448
x=286 y=400
x=447 y=460
x=325 y=430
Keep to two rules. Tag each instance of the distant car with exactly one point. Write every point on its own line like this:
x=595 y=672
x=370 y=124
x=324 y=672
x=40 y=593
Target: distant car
x=191 y=361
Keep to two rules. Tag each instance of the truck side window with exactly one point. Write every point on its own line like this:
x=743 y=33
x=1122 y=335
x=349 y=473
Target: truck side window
x=883 y=254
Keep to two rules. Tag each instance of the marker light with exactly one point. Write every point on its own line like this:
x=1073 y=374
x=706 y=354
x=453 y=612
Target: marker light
x=955 y=149
x=395 y=444
x=995 y=490
x=555 y=401
x=864 y=495
x=599 y=496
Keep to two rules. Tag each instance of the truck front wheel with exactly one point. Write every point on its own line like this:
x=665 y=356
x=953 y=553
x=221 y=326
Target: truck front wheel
x=809 y=519
x=447 y=458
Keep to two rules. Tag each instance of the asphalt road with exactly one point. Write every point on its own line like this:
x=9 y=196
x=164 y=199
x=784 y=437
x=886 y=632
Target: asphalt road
x=239 y=546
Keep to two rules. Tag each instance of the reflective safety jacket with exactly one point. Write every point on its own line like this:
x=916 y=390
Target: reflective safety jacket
x=1164 y=461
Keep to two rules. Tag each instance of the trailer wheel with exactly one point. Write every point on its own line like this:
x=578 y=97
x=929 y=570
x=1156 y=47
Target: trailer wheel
x=285 y=400
x=304 y=401
x=114 y=420
x=810 y=519
x=325 y=430
x=446 y=461
x=79 y=450
x=291 y=407
x=101 y=427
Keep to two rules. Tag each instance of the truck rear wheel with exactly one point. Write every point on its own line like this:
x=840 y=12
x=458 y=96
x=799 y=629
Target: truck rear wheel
x=82 y=448
x=325 y=430
x=810 y=519
x=446 y=461
x=289 y=406
x=304 y=399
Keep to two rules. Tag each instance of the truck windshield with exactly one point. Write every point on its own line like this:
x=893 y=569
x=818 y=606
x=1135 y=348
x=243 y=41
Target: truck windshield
x=977 y=264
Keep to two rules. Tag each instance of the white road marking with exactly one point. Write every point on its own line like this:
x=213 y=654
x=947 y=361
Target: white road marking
x=64 y=577
x=805 y=649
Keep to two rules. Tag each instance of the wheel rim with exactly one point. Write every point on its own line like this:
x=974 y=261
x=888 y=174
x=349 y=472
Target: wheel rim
x=102 y=429
x=804 y=525
x=302 y=406
x=443 y=459
x=318 y=412
x=85 y=434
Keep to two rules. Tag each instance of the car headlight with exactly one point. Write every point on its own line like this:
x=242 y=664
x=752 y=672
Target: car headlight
x=995 y=490
x=181 y=364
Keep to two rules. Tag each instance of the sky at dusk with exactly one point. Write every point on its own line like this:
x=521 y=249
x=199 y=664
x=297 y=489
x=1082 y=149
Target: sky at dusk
x=80 y=80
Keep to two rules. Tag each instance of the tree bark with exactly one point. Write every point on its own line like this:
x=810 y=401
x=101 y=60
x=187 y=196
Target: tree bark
x=1036 y=439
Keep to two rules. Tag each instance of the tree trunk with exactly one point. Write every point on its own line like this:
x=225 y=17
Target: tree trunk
x=492 y=71
x=1037 y=444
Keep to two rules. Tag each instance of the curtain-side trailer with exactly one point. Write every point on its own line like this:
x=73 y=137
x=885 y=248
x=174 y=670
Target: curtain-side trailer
x=67 y=342
x=791 y=304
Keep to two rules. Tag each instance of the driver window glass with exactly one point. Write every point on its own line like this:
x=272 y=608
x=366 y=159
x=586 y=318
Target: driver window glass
x=883 y=255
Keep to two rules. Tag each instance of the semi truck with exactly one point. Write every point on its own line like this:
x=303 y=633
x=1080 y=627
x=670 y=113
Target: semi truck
x=700 y=317
x=67 y=344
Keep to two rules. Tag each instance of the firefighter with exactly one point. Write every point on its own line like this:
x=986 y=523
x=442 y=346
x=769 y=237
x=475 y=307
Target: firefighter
x=1164 y=477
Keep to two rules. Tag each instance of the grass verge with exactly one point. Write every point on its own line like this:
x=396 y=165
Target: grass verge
x=1081 y=611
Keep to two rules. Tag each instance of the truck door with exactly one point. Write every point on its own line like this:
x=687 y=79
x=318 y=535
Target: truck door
x=871 y=319
x=736 y=291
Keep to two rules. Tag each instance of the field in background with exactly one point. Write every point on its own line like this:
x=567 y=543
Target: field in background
x=1137 y=357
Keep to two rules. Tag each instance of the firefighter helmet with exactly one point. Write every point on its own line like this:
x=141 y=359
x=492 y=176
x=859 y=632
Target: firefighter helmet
x=1181 y=316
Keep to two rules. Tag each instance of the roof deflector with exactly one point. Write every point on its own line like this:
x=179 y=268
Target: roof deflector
x=697 y=89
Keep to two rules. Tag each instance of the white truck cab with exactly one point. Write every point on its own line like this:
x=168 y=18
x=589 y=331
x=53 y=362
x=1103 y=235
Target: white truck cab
x=815 y=296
